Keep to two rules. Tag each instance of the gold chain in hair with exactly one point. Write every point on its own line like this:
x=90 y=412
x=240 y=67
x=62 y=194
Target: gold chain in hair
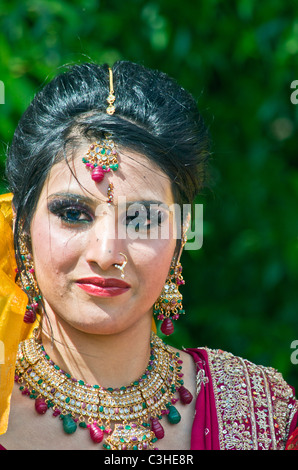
x=111 y=98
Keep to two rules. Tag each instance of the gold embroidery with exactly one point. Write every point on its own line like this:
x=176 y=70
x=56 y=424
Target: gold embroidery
x=254 y=403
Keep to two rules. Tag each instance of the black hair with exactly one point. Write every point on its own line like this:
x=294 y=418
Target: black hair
x=153 y=116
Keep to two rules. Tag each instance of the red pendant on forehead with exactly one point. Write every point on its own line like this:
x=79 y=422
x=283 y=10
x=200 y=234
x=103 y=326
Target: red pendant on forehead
x=97 y=174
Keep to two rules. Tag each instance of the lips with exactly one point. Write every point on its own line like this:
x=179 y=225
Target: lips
x=102 y=287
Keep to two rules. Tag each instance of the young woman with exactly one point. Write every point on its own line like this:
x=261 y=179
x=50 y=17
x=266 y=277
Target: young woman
x=100 y=168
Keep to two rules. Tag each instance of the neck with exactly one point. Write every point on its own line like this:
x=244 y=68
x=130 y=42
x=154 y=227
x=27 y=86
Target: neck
x=106 y=360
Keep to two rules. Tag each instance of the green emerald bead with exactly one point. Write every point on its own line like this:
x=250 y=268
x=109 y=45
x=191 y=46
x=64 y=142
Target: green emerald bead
x=67 y=400
x=173 y=416
x=82 y=424
x=81 y=382
x=39 y=381
x=103 y=151
x=101 y=408
x=56 y=367
x=136 y=382
x=21 y=388
x=154 y=439
x=135 y=448
x=69 y=425
x=95 y=386
x=110 y=389
x=144 y=405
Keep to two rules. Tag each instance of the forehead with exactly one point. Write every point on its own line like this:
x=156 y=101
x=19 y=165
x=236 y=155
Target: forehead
x=137 y=178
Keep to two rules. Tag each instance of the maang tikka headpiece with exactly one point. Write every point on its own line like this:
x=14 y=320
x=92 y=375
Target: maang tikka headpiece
x=102 y=156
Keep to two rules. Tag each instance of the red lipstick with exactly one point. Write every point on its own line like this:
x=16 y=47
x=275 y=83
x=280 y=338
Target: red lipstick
x=101 y=287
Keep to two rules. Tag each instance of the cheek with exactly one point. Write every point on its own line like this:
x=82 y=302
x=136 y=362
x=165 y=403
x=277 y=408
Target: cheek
x=54 y=256
x=154 y=266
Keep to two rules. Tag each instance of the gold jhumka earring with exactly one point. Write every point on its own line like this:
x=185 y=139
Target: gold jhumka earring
x=27 y=281
x=168 y=306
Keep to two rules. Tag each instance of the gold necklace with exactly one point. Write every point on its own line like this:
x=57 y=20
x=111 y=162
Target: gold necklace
x=135 y=410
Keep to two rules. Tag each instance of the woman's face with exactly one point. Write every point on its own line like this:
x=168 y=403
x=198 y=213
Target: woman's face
x=77 y=238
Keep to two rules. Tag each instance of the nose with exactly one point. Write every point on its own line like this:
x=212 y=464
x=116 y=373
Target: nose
x=104 y=248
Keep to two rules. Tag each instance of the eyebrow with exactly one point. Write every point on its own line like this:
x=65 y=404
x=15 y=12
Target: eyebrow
x=80 y=197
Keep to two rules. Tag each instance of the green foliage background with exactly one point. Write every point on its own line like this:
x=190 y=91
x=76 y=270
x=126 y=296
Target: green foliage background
x=238 y=58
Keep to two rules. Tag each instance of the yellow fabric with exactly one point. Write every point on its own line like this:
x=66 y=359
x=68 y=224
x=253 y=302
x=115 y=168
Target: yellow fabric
x=13 y=303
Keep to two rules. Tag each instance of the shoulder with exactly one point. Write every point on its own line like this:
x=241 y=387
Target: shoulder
x=255 y=405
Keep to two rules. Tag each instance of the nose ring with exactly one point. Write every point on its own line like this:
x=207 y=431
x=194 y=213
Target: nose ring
x=122 y=266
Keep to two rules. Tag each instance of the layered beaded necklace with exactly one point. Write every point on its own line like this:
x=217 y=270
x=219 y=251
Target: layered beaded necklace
x=126 y=418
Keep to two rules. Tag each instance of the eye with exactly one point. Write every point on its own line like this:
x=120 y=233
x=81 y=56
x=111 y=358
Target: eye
x=70 y=212
x=144 y=219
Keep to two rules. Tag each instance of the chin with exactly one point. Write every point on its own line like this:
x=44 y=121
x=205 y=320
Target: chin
x=104 y=326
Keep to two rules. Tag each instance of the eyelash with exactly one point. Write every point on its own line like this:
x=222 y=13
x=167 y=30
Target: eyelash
x=160 y=218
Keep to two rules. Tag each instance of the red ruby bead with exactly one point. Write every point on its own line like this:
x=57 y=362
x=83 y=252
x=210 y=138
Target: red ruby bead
x=185 y=395
x=30 y=316
x=157 y=428
x=97 y=174
x=167 y=327
x=41 y=406
x=96 y=433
